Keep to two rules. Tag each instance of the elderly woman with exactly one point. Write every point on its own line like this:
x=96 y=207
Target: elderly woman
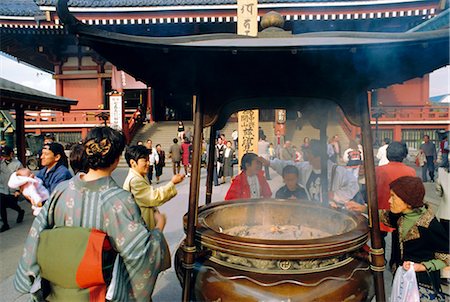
x=423 y=241
x=250 y=183
x=93 y=201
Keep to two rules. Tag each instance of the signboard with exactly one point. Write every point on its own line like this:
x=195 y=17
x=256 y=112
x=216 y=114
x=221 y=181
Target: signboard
x=248 y=131
x=115 y=111
x=280 y=115
x=247 y=17
x=248 y=120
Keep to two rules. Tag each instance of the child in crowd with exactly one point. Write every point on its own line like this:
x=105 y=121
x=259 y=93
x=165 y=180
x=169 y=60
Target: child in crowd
x=272 y=153
x=137 y=182
x=31 y=187
x=291 y=189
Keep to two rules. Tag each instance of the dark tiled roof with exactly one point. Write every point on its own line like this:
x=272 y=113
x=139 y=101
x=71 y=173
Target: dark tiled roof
x=131 y=3
x=12 y=92
x=22 y=8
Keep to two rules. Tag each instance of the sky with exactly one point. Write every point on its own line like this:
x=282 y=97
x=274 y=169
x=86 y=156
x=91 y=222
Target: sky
x=28 y=76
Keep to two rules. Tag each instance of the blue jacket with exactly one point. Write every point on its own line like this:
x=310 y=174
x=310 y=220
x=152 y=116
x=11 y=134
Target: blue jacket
x=54 y=176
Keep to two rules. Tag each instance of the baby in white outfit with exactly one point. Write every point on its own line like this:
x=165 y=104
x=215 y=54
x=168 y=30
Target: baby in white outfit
x=31 y=187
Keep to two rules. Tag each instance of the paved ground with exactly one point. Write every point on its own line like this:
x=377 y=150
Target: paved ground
x=168 y=287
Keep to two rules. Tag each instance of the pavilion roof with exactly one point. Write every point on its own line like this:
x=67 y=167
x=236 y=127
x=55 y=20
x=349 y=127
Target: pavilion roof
x=31 y=7
x=138 y=3
x=231 y=72
x=23 y=8
x=13 y=95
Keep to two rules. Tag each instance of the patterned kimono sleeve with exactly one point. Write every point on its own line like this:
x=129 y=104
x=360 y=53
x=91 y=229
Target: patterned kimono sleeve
x=140 y=250
x=28 y=269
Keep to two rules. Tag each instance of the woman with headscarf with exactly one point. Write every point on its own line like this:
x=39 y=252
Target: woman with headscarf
x=250 y=183
x=93 y=201
x=423 y=241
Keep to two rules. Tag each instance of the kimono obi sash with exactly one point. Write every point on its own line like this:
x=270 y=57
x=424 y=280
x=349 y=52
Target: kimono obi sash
x=78 y=263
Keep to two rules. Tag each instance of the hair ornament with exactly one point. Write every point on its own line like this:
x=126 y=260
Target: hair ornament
x=102 y=147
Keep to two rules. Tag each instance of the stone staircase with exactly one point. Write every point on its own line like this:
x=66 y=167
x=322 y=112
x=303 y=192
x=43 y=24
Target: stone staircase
x=160 y=133
x=164 y=132
x=267 y=127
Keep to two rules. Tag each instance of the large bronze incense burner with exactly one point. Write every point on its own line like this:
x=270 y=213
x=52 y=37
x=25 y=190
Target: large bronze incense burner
x=321 y=259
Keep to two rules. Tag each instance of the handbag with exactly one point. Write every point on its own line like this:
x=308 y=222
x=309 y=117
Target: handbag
x=404 y=287
x=417 y=162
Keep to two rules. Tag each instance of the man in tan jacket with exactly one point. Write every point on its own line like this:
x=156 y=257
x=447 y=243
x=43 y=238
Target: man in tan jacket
x=147 y=198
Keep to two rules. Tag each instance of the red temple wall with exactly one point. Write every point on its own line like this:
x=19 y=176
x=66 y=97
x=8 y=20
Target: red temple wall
x=414 y=92
x=86 y=91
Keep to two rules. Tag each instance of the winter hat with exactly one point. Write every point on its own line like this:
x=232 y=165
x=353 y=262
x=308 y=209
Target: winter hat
x=410 y=189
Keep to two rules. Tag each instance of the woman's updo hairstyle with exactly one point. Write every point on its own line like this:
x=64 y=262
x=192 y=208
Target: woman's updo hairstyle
x=103 y=145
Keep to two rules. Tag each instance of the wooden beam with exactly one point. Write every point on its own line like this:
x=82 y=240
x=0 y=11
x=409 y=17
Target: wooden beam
x=80 y=76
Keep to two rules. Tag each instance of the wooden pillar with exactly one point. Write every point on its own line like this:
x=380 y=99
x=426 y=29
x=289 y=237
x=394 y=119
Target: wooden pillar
x=20 y=135
x=58 y=80
x=397 y=135
x=189 y=244
x=377 y=253
x=210 y=168
x=84 y=132
x=149 y=103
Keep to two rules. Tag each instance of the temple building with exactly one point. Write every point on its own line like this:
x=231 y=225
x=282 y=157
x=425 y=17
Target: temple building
x=31 y=31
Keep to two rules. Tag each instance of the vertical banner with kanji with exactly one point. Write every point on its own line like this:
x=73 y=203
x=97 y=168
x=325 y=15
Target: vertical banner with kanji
x=115 y=111
x=248 y=132
x=247 y=17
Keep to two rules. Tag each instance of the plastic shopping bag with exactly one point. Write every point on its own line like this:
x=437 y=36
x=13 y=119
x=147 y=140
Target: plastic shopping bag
x=404 y=287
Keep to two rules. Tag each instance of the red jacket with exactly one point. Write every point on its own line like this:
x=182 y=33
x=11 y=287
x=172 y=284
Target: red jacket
x=384 y=176
x=240 y=189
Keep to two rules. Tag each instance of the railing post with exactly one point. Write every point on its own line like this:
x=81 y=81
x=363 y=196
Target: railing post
x=210 y=167
x=189 y=244
x=377 y=253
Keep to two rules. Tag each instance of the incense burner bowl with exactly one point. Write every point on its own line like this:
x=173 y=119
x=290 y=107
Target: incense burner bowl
x=328 y=265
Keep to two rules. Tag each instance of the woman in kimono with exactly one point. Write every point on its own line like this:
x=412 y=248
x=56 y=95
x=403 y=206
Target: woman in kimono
x=423 y=241
x=95 y=201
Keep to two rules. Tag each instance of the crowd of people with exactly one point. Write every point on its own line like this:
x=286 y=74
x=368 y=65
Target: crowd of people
x=91 y=202
x=131 y=224
x=419 y=238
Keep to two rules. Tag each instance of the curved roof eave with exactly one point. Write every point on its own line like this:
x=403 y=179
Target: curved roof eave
x=12 y=94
